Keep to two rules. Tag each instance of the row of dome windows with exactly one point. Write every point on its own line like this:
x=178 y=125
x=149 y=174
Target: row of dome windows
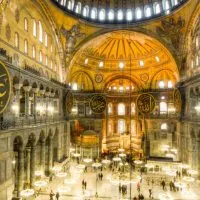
x=161 y=85
x=41 y=56
x=138 y=13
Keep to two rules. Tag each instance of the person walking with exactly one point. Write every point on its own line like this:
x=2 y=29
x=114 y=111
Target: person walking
x=150 y=193
x=51 y=195
x=85 y=185
x=57 y=195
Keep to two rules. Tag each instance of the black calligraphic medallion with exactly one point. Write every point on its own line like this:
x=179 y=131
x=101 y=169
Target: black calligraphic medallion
x=5 y=87
x=98 y=104
x=145 y=103
x=69 y=102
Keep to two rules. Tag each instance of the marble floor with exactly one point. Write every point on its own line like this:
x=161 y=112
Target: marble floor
x=109 y=188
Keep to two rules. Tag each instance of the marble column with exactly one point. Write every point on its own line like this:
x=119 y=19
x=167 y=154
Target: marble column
x=28 y=160
x=17 y=98
x=27 y=90
x=35 y=90
x=20 y=171
x=32 y=166
x=42 y=156
x=50 y=154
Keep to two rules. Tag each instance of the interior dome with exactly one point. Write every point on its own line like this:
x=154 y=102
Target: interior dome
x=124 y=56
x=122 y=50
x=118 y=11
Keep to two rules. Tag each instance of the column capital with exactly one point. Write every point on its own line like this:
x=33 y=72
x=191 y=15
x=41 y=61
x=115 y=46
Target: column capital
x=17 y=86
x=42 y=91
x=47 y=94
x=27 y=88
x=35 y=90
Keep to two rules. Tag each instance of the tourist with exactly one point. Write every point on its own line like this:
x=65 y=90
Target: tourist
x=57 y=195
x=51 y=195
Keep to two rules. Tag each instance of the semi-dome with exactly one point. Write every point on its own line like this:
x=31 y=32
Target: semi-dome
x=118 y=11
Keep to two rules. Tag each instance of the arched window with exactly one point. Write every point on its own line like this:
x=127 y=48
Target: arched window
x=51 y=65
x=120 y=15
x=46 y=60
x=170 y=84
x=25 y=46
x=62 y=2
x=133 y=127
x=148 y=11
x=110 y=108
x=163 y=126
x=40 y=32
x=86 y=11
x=138 y=13
x=197 y=61
x=121 y=89
x=157 y=9
x=69 y=5
x=102 y=15
x=94 y=13
x=78 y=8
x=121 y=109
x=111 y=15
x=40 y=56
x=46 y=40
x=163 y=107
x=17 y=40
x=161 y=84
x=74 y=86
x=175 y=2
x=110 y=127
x=121 y=126
x=33 y=52
x=166 y=4
x=129 y=15
x=34 y=28
x=25 y=24
x=197 y=41
x=133 y=108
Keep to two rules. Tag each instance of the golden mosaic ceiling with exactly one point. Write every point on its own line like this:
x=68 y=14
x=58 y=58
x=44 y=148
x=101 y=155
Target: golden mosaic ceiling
x=130 y=48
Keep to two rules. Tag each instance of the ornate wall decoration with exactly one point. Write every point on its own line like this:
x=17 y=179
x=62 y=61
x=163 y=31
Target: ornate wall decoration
x=3 y=4
x=177 y=100
x=5 y=87
x=171 y=30
x=69 y=102
x=71 y=37
x=8 y=32
x=17 y=15
x=145 y=103
x=98 y=78
x=144 y=77
x=98 y=104
x=1 y=21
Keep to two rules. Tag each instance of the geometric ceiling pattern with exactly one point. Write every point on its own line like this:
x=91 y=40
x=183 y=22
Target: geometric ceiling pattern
x=133 y=49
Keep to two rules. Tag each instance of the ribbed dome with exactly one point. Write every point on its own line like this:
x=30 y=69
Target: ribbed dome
x=118 y=11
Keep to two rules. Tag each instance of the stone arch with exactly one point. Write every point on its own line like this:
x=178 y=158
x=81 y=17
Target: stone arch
x=164 y=74
x=131 y=79
x=84 y=79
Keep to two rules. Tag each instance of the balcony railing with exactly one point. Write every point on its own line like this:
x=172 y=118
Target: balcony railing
x=29 y=122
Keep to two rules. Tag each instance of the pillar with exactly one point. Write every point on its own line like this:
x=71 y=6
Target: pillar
x=32 y=166
x=28 y=160
x=27 y=89
x=17 y=97
x=20 y=171
x=42 y=156
x=35 y=90
x=50 y=154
